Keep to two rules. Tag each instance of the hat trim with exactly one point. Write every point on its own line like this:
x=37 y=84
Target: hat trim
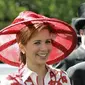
x=38 y=19
x=8 y=62
x=4 y=47
x=66 y=52
x=7 y=44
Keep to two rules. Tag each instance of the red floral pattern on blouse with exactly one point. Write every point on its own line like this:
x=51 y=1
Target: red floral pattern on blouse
x=26 y=77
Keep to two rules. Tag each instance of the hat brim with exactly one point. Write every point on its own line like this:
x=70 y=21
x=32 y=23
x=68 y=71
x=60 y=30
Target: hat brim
x=63 y=43
x=78 y=23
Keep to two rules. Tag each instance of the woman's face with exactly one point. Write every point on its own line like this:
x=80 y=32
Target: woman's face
x=38 y=48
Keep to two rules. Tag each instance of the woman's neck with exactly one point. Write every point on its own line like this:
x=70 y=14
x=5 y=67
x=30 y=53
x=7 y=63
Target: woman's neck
x=39 y=69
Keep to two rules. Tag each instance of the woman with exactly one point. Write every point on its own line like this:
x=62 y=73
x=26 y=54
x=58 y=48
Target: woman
x=39 y=41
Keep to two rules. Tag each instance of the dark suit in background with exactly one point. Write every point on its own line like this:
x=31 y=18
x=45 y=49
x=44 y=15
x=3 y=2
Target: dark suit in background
x=77 y=74
x=77 y=56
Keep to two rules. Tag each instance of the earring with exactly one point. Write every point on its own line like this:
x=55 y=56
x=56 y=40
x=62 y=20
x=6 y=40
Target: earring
x=23 y=52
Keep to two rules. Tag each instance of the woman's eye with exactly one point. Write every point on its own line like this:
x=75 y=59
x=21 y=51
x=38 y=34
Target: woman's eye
x=48 y=42
x=37 y=43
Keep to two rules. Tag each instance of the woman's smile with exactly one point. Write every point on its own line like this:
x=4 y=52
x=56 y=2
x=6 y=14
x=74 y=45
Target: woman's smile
x=43 y=55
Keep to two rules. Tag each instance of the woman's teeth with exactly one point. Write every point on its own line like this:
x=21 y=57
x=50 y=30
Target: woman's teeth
x=42 y=55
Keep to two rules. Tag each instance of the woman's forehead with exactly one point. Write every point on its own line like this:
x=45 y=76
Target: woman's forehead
x=42 y=34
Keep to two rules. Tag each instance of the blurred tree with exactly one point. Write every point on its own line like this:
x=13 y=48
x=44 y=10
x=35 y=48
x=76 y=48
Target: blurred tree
x=61 y=9
x=9 y=9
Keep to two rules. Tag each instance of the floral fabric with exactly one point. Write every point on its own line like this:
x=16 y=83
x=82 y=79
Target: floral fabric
x=25 y=76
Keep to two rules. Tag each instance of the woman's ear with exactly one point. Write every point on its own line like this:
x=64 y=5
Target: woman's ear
x=22 y=48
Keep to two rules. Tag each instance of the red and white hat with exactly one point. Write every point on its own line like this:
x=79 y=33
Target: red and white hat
x=63 y=44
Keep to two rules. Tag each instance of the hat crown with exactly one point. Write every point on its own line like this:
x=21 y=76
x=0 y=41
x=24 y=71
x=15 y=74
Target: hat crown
x=81 y=10
x=27 y=15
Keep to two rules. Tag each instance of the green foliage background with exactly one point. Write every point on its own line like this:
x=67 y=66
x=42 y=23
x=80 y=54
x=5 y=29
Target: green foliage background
x=61 y=9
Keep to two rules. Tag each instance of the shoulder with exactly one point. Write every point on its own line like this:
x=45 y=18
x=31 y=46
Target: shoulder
x=59 y=72
x=61 y=76
x=12 y=79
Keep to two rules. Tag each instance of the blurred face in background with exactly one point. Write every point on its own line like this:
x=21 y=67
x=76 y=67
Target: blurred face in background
x=82 y=31
x=82 y=34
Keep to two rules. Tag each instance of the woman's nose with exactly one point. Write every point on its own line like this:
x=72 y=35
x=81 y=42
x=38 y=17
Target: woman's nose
x=44 y=47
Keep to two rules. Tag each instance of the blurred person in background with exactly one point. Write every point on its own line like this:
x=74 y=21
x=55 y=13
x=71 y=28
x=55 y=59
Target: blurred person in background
x=78 y=55
x=77 y=72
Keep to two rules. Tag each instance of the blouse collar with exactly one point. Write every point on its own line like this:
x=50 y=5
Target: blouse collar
x=26 y=72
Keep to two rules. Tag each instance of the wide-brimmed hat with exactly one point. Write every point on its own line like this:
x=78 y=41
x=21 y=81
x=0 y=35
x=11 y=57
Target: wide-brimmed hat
x=63 y=43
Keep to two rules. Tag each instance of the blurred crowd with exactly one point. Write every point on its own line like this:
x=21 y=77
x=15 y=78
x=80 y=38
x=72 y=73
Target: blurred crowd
x=74 y=64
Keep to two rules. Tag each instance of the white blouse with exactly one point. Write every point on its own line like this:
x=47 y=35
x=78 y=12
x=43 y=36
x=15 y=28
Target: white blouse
x=25 y=76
